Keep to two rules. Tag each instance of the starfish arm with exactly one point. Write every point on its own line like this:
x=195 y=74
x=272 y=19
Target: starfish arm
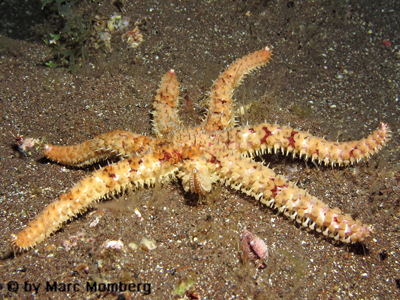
x=115 y=143
x=259 y=181
x=165 y=116
x=220 y=113
x=104 y=181
x=133 y=173
x=272 y=137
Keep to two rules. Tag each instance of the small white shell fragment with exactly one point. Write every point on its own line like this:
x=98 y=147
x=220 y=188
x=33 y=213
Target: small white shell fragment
x=147 y=244
x=95 y=222
x=137 y=212
x=133 y=246
x=113 y=244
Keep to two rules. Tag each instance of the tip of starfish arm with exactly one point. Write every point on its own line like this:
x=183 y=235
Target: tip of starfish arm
x=172 y=71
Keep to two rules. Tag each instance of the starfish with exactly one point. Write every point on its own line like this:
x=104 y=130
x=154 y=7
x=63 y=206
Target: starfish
x=215 y=151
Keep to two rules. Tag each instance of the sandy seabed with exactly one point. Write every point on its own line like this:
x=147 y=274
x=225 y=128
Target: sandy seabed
x=334 y=72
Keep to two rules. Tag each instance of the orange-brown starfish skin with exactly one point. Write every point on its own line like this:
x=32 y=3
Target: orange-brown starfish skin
x=204 y=155
x=220 y=114
x=101 y=147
